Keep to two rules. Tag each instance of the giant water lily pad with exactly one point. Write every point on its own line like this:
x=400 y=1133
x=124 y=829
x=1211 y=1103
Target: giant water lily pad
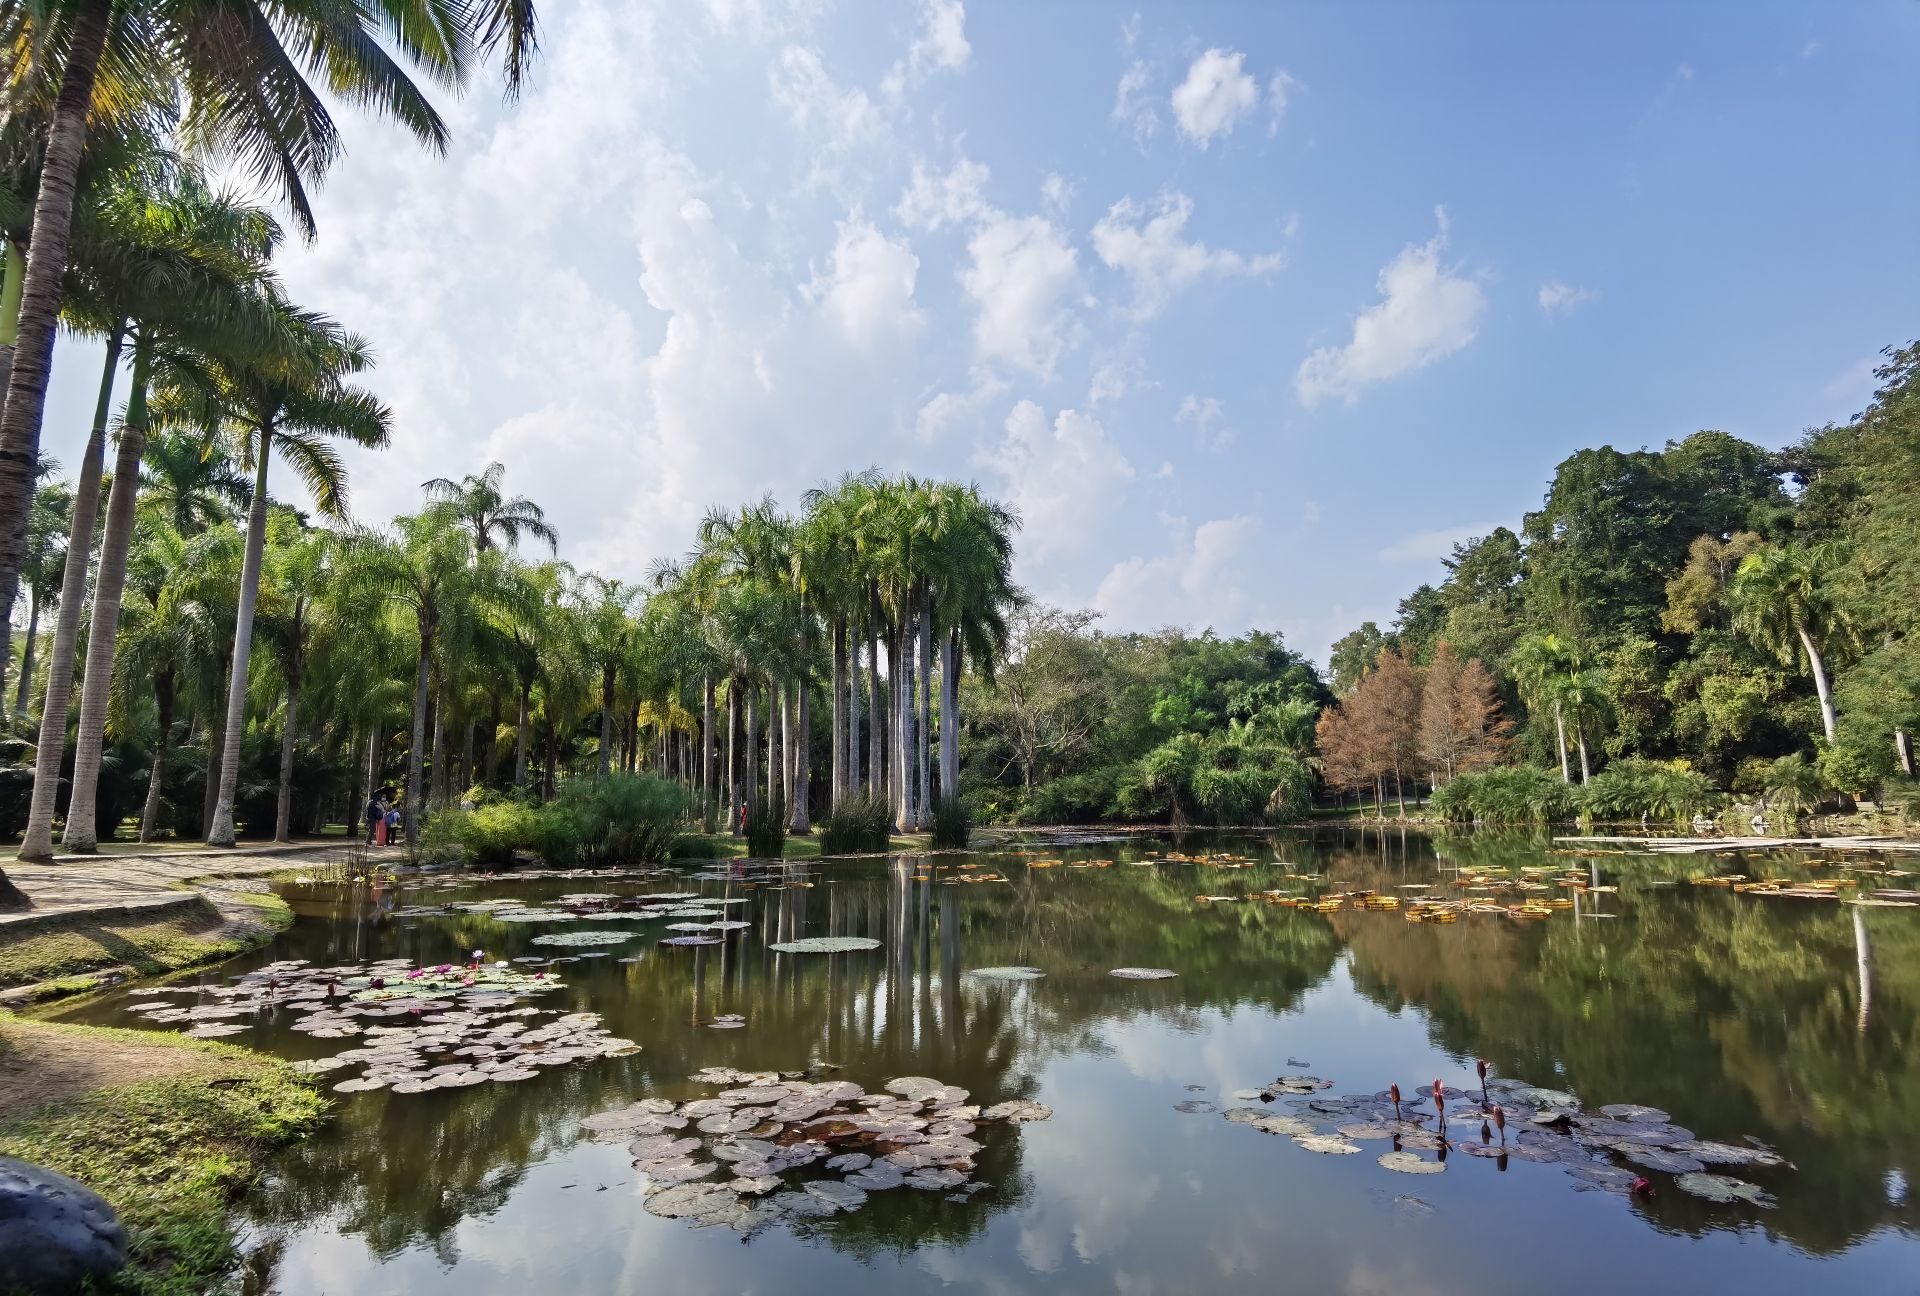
x=1018 y=1111
x=1724 y=1188
x=826 y=945
x=1326 y=1144
x=582 y=938
x=1408 y=1163
x=1143 y=974
x=1007 y=973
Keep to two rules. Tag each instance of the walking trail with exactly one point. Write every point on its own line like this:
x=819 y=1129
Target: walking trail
x=104 y=885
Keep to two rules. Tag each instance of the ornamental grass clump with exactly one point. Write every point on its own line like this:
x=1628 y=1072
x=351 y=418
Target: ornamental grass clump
x=858 y=825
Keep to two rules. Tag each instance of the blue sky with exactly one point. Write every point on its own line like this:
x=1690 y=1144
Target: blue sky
x=1249 y=309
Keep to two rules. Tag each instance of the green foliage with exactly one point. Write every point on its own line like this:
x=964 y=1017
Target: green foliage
x=859 y=825
x=1511 y=794
x=609 y=822
x=952 y=823
x=1794 y=784
x=1662 y=790
x=767 y=827
x=1845 y=767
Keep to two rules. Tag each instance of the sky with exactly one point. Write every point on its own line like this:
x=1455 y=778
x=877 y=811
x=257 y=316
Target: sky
x=1251 y=311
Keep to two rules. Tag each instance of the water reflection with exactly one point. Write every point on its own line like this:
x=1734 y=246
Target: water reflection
x=1740 y=1015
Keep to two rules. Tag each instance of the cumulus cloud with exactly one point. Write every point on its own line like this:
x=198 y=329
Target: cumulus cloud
x=1058 y=476
x=1020 y=273
x=868 y=290
x=1147 y=245
x=1426 y=313
x=801 y=84
x=1557 y=298
x=948 y=410
x=1131 y=106
x=1205 y=417
x=1217 y=93
x=941 y=46
x=1198 y=582
x=933 y=202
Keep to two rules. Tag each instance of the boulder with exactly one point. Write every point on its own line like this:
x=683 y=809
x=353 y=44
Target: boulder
x=55 y=1232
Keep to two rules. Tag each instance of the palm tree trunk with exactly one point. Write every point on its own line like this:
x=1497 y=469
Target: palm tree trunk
x=1829 y=719
x=1586 y=770
x=410 y=814
x=837 y=780
x=492 y=775
x=40 y=287
x=283 y=803
x=923 y=666
x=82 y=833
x=466 y=754
x=606 y=718
x=733 y=757
x=1560 y=736
x=375 y=769
x=1903 y=748
x=876 y=708
x=220 y=831
x=522 y=736
x=27 y=653
x=10 y=294
x=437 y=798
x=950 y=714
x=854 y=689
x=163 y=689
x=216 y=748
x=802 y=821
x=752 y=773
x=775 y=705
x=706 y=753
x=50 y=751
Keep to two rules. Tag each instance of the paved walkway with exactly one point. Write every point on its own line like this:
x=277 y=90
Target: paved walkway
x=106 y=884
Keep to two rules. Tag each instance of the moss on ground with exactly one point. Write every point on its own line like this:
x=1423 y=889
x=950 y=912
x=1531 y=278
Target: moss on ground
x=169 y=1153
x=55 y=955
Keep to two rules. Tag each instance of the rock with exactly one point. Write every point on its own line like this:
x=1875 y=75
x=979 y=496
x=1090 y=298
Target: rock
x=55 y=1233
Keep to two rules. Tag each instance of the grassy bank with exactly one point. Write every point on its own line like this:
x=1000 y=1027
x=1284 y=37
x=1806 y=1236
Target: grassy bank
x=68 y=954
x=167 y=1129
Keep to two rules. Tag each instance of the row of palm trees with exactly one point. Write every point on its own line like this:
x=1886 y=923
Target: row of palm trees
x=109 y=233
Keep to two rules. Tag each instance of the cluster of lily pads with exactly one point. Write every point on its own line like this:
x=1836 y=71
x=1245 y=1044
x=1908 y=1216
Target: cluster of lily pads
x=1508 y=1119
x=781 y=1146
x=418 y=1028
x=700 y=920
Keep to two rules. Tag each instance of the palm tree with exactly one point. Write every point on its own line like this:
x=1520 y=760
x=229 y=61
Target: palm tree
x=605 y=609
x=1783 y=602
x=297 y=403
x=236 y=66
x=182 y=285
x=1541 y=664
x=489 y=514
x=192 y=482
x=45 y=569
x=296 y=610
x=423 y=570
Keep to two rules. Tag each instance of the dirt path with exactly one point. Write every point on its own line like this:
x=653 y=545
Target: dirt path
x=106 y=884
x=41 y=1064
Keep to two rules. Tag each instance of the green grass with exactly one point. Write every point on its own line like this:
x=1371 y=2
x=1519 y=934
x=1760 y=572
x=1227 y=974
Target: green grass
x=57 y=952
x=169 y=1154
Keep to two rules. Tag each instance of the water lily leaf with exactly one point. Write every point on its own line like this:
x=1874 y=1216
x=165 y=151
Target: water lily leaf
x=1658 y=1158
x=1326 y=1144
x=683 y=942
x=1724 y=1188
x=826 y=945
x=1018 y=1111
x=1728 y=1154
x=842 y=1196
x=1196 y=1107
x=754 y=1187
x=804 y=1204
x=1635 y=1112
x=582 y=938
x=1143 y=974
x=1290 y=1126
x=1408 y=1163
x=1007 y=973
x=1368 y=1130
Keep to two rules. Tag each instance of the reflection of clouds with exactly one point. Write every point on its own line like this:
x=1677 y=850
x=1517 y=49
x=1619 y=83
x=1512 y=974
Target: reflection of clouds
x=1090 y=1183
x=1371 y=1276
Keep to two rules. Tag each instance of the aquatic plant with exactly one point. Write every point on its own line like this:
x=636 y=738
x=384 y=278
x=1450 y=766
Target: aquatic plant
x=857 y=825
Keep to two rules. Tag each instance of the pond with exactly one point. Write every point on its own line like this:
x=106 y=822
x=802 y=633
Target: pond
x=1781 y=1028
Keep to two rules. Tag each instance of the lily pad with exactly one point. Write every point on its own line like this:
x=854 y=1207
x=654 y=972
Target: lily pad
x=1196 y=1107
x=1659 y=1158
x=601 y=937
x=1143 y=974
x=826 y=945
x=1018 y=1111
x=1408 y=1163
x=1326 y=1144
x=1724 y=1188
x=1007 y=973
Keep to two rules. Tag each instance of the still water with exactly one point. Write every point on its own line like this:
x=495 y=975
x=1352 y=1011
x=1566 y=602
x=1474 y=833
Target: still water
x=1795 y=1023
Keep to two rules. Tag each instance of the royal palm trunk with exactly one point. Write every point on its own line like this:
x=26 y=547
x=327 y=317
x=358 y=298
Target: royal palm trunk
x=220 y=832
x=417 y=744
x=82 y=834
x=163 y=691
x=50 y=751
x=837 y=778
x=40 y=289
x=924 y=667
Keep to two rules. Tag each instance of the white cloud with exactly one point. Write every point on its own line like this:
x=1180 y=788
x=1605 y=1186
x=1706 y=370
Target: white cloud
x=1277 y=91
x=1557 y=298
x=933 y=202
x=947 y=411
x=801 y=84
x=1427 y=312
x=869 y=289
x=1058 y=476
x=1146 y=245
x=1021 y=272
x=1056 y=193
x=1196 y=583
x=1114 y=377
x=1431 y=546
x=1217 y=93
x=1131 y=107
x=940 y=47
x=1205 y=416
